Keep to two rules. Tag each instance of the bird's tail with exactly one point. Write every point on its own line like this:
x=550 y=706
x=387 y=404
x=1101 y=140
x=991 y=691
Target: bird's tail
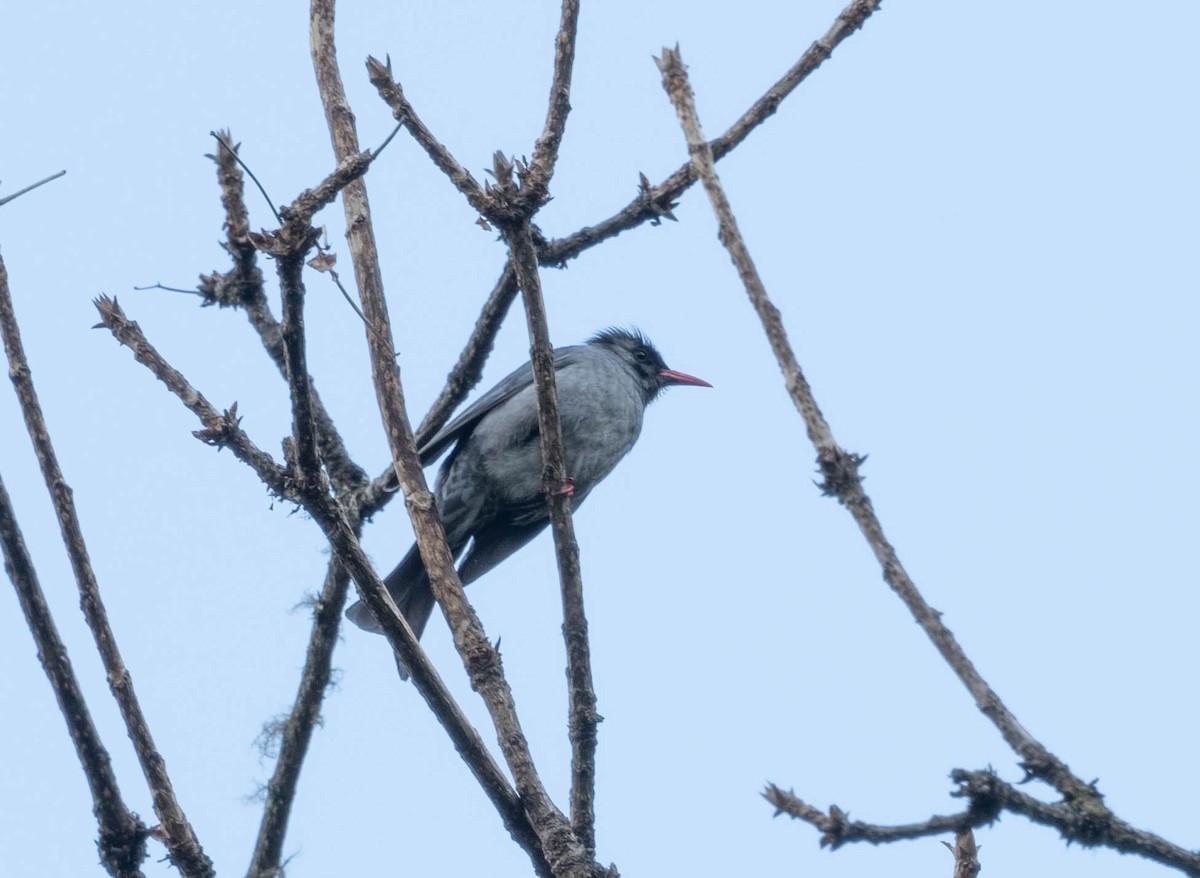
x=408 y=585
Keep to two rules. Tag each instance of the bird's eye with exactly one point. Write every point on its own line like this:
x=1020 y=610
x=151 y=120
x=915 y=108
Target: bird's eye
x=641 y=353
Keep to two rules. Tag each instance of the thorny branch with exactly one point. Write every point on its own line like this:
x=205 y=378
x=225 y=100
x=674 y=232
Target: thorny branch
x=842 y=480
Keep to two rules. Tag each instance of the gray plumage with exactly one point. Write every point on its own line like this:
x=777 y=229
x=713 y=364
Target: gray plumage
x=489 y=490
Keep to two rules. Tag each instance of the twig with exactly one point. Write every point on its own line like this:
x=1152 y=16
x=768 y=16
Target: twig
x=842 y=480
x=42 y=182
x=966 y=854
x=178 y=835
x=676 y=84
x=651 y=204
x=654 y=202
x=306 y=469
x=298 y=728
x=838 y=829
x=536 y=184
x=469 y=368
x=167 y=289
x=220 y=428
x=223 y=430
x=381 y=77
x=223 y=141
x=554 y=849
x=1075 y=820
x=462 y=378
x=582 y=710
x=122 y=841
x=243 y=287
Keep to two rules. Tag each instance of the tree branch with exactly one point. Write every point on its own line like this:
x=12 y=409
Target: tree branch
x=42 y=182
x=1075 y=819
x=380 y=75
x=297 y=730
x=122 y=839
x=966 y=854
x=535 y=185
x=177 y=833
x=842 y=480
x=242 y=287
x=224 y=430
x=469 y=368
x=838 y=829
x=582 y=710
x=462 y=378
x=651 y=204
x=220 y=428
x=555 y=841
x=654 y=202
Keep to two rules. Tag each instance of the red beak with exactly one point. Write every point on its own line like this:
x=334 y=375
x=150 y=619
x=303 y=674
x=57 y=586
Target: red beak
x=670 y=376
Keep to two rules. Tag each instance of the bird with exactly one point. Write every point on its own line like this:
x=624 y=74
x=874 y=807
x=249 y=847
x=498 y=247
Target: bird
x=489 y=491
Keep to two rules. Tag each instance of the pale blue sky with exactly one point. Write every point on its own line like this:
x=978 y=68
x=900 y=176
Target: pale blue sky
x=979 y=221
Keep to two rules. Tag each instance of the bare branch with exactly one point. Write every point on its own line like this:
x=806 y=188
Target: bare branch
x=177 y=833
x=122 y=840
x=966 y=854
x=1077 y=820
x=842 y=480
x=230 y=151
x=298 y=728
x=582 y=711
x=652 y=203
x=350 y=169
x=42 y=182
x=392 y=93
x=224 y=430
x=676 y=84
x=535 y=185
x=306 y=469
x=220 y=428
x=469 y=368
x=555 y=842
x=462 y=378
x=838 y=829
x=243 y=287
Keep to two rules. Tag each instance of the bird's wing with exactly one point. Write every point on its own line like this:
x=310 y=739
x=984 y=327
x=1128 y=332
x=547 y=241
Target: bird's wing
x=474 y=413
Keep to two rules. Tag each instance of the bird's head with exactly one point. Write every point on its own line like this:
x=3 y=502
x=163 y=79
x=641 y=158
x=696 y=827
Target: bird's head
x=644 y=361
